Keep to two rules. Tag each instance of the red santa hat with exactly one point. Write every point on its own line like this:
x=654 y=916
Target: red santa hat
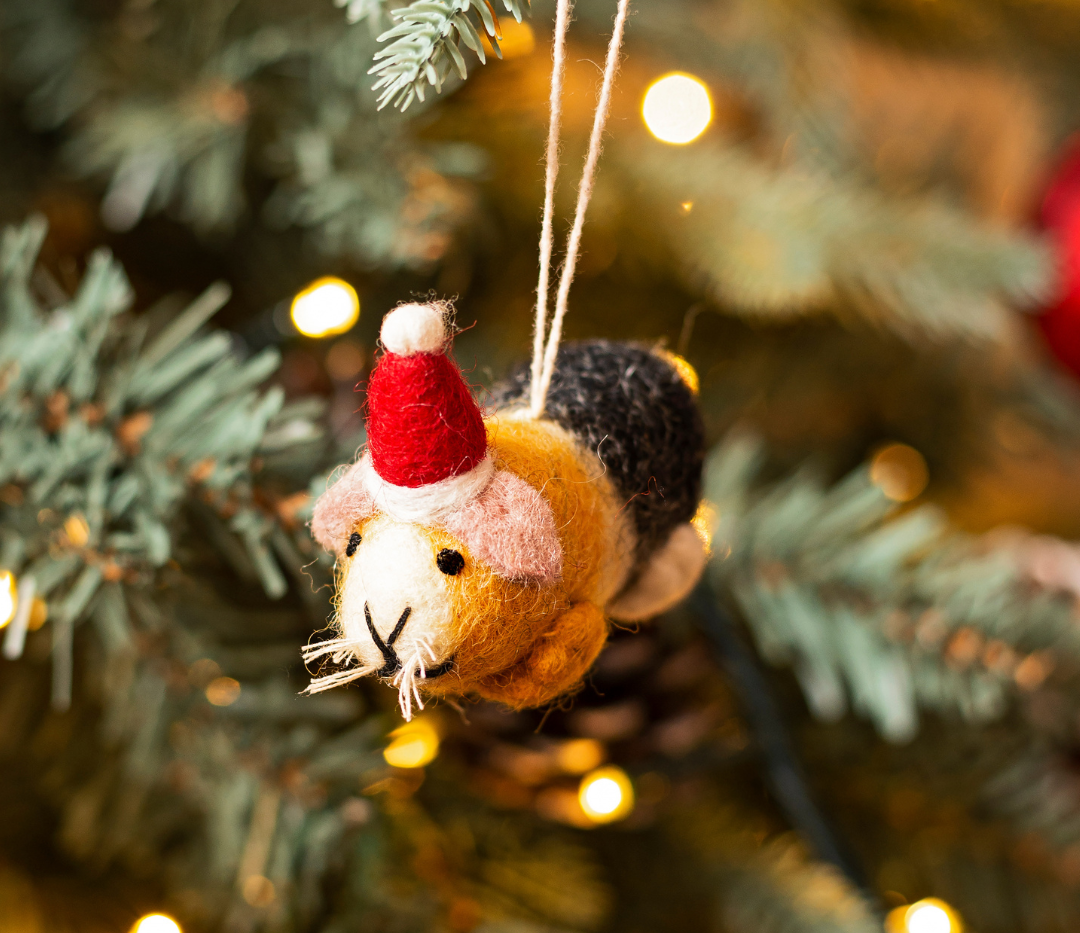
x=427 y=446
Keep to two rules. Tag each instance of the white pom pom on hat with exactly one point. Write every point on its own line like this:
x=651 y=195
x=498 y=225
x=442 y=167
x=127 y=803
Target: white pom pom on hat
x=412 y=329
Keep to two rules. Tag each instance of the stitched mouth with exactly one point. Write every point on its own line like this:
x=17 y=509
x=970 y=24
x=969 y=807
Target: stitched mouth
x=391 y=661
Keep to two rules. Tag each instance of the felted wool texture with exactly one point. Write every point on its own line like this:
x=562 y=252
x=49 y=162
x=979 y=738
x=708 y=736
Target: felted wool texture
x=503 y=520
x=394 y=569
x=510 y=527
x=666 y=579
x=510 y=652
x=515 y=641
x=340 y=509
x=412 y=329
x=631 y=408
x=423 y=425
x=431 y=502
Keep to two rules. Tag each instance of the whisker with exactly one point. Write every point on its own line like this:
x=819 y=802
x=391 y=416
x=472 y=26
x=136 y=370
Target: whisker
x=416 y=689
x=405 y=700
x=427 y=647
x=337 y=679
x=404 y=681
x=336 y=647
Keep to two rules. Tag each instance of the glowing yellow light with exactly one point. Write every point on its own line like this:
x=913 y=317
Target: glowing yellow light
x=39 y=613
x=577 y=756
x=7 y=597
x=77 y=531
x=687 y=206
x=900 y=472
x=930 y=915
x=326 y=307
x=704 y=522
x=156 y=923
x=677 y=108
x=413 y=745
x=223 y=691
x=258 y=891
x=606 y=795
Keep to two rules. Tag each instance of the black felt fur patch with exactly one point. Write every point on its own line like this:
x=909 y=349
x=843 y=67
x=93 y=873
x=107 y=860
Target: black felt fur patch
x=630 y=407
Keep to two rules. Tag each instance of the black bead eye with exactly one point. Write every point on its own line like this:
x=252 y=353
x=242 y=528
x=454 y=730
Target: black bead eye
x=450 y=562
x=354 y=543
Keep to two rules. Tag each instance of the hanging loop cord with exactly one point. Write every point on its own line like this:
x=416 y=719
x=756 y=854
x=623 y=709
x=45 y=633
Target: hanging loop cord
x=545 y=351
x=551 y=172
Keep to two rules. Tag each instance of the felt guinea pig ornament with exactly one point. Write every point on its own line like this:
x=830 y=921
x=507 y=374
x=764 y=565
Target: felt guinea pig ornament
x=483 y=554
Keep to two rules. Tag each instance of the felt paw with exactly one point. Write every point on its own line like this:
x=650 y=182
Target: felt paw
x=669 y=576
x=557 y=662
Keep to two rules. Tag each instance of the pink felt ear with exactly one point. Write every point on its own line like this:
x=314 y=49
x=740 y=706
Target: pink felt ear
x=510 y=527
x=345 y=503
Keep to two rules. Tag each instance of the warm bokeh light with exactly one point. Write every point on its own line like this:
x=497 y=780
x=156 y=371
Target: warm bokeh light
x=77 y=531
x=576 y=756
x=156 y=923
x=223 y=691
x=606 y=795
x=7 y=597
x=345 y=360
x=413 y=745
x=900 y=472
x=704 y=522
x=677 y=108
x=326 y=307
x=258 y=891
x=516 y=41
x=930 y=915
x=39 y=614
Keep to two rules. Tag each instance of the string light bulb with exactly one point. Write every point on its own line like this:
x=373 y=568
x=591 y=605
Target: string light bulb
x=900 y=472
x=677 y=108
x=328 y=306
x=577 y=756
x=413 y=745
x=705 y=520
x=7 y=597
x=930 y=915
x=156 y=923
x=606 y=795
x=223 y=691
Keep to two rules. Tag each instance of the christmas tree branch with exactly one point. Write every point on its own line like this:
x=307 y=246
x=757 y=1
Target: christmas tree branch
x=425 y=46
x=891 y=609
x=783 y=243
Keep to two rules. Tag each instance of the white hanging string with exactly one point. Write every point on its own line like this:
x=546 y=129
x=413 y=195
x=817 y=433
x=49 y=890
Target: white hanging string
x=551 y=159
x=545 y=352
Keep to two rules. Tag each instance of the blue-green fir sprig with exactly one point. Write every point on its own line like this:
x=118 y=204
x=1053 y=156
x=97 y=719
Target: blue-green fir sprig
x=888 y=610
x=426 y=46
x=106 y=430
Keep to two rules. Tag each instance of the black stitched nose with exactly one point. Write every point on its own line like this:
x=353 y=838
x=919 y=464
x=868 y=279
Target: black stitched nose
x=392 y=663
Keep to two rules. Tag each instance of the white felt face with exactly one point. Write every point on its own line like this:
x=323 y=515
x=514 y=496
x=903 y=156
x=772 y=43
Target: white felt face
x=394 y=586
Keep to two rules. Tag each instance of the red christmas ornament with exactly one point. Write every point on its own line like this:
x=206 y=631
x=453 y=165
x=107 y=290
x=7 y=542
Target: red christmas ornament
x=1060 y=217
